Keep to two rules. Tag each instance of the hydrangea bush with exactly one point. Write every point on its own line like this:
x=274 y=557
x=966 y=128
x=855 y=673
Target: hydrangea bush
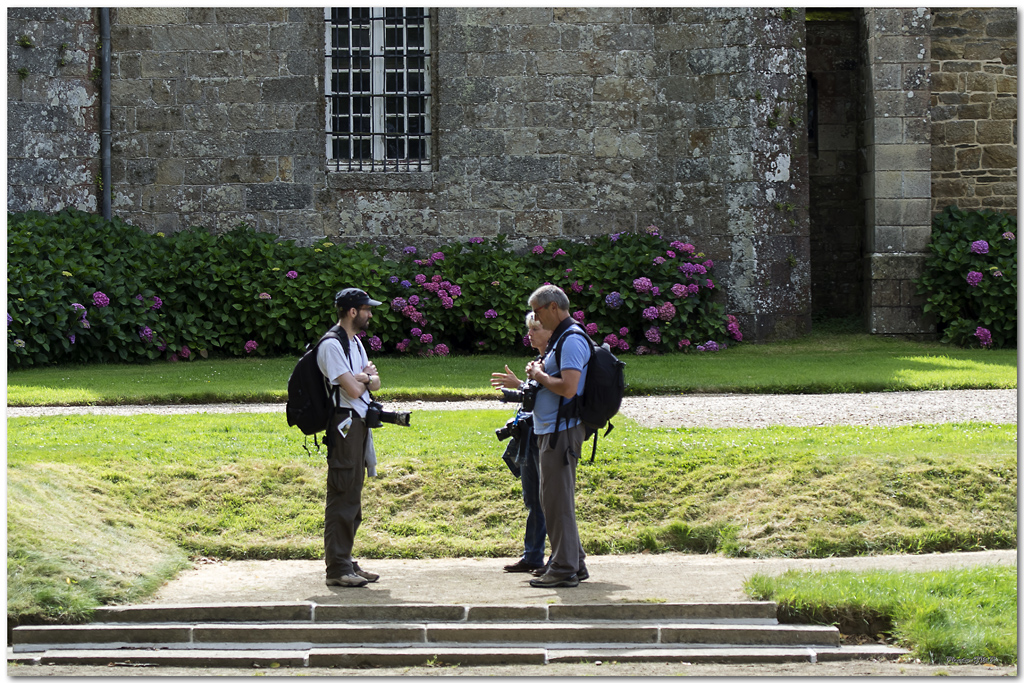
x=970 y=279
x=81 y=289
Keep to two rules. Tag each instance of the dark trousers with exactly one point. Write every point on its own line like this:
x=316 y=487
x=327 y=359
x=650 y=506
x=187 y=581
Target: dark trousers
x=536 y=531
x=558 y=498
x=343 y=512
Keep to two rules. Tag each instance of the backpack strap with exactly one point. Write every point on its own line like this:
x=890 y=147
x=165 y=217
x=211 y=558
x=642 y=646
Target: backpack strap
x=566 y=407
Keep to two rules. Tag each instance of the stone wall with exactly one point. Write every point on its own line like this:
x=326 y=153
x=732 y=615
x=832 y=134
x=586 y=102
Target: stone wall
x=837 y=216
x=547 y=123
x=896 y=184
x=974 y=108
x=52 y=119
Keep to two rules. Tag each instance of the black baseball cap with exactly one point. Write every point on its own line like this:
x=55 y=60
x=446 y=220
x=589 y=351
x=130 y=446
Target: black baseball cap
x=353 y=298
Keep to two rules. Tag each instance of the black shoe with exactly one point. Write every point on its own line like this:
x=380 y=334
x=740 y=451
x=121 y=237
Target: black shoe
x=540 y=571
x=583 y=574
x=522 y=566
x=549 y=581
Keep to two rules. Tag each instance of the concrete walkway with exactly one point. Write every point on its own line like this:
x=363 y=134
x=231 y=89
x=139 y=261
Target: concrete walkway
x=669 y=577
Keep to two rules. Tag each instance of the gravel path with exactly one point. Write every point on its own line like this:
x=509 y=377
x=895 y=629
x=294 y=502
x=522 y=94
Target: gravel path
x=695 y=410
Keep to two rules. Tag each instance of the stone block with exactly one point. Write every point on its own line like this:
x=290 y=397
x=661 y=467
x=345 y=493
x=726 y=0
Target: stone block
x=278 y=196
x=1004 y=108
x=151 y=16
x=968 y=158
x=916 y=238
x=999 y=156
x=902 y=157
x=886 y=238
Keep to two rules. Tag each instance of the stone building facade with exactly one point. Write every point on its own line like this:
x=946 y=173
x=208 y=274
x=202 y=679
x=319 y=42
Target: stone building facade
x=547 y=123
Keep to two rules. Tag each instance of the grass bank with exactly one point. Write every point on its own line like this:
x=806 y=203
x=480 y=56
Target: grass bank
x=946 y=616
x=819 y=363
x=241 y=486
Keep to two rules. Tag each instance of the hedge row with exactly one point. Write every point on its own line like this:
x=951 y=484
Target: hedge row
x=970 y=279
x=83 y=289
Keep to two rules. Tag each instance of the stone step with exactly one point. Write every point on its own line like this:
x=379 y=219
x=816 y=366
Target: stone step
x=284 y=635
x=736 y=612
x=447 y=656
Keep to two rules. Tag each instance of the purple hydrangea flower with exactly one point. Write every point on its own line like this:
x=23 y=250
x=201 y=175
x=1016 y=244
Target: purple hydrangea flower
x=431 y=287
x=251 y=346
x=653 y=335
x=670 y=254
x=71 y=338
x=1008 y=236
x=409 y=310
x=406 y=284
x=393 y=279
x=613 y=300
x=291 y=275
x=409 y=250
x=436 y=279
x=157 y=303
x=455 y=291
x=100 y=300
x=623 y=331
x=658 y=260
x=666 y=311
x=979 y=247
x=684 y=342
x=650 y=313
x=426 y=338
x=403 y=345
x=709 y=284
x=642 y=285
x=611 y=340
x=984 y=336
x=9 y=320
x=558 y=252
x=420 y=279
x=642 y=350
x=441 y=350
x=591 y=329
x=693 y=289
x=655 y=291
x=184 y=351
x=446 y=301
x=679 y=290
x=490 y=313
x=265 y=296
x=615 y=236
x=538 y=249
x=414 y=300
x=974 y=278
x=476 y=240
x=398 y=303
x=437 y=256
x=709 y=264
x=416 y=332
x=623 y=345
x=578 y=316
x=375 y=343
x=146 y=334
x=576 y=286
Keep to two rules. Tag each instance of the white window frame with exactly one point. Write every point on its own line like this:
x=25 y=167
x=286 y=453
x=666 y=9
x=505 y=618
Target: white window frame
x=378 y=134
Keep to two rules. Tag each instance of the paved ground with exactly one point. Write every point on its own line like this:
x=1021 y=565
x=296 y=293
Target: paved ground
x=669 y=577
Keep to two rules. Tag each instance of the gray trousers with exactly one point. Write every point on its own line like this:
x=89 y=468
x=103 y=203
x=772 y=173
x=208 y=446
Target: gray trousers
x=558 y=499
x=343 y=512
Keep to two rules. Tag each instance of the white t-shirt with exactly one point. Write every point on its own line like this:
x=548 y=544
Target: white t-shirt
x=332 y=362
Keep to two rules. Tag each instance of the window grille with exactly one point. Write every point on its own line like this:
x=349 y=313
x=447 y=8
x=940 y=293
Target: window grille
x=377 y=86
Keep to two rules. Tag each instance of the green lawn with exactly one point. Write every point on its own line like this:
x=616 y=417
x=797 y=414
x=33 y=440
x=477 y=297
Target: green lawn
x=819 y=363
x=242 y=486
x=958 y=614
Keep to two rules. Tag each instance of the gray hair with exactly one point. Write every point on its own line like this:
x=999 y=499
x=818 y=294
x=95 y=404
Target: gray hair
x=532 y=323
x=545 y=294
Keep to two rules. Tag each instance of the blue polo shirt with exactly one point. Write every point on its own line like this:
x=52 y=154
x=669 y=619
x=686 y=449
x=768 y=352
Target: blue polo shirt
x=575 y=355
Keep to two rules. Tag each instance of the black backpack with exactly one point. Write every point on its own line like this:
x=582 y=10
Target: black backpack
x=310 y=395
x=602 y=392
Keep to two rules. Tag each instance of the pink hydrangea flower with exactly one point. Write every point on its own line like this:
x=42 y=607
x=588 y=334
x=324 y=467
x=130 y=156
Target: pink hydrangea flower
x=251 y=346
x=100 y=300
x=979 y=247
x=265 y=296
x=414 y=300
x=684 y=342
x=558 y=252
x=184 y=352
x=490 y=313
x=650 y=313
x=642 y=285
x=974 y=278
x=591 y=329
x=984 y=336
x=611 y=340
x=375 y=343
x=578 y=316
x=670 y=254
x=437 y=256
x=538 y=249
x=653 y=335
x=420 y=279
x=426 y=338
x=623 y=331
x=666 y=311
x=658 y=260
x=291 y=275
x=416 y=332
x=441 y=349
x=679 y=290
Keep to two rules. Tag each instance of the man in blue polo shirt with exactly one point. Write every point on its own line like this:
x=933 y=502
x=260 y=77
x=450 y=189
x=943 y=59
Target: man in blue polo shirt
x=559 y=435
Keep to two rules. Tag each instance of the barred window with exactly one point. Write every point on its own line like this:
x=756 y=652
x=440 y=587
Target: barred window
x=377 y=86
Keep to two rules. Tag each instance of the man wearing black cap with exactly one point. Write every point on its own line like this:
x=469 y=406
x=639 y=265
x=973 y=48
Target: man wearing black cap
x=349 y=441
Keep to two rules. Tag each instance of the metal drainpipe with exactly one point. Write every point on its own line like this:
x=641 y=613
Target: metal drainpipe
x=105 y=111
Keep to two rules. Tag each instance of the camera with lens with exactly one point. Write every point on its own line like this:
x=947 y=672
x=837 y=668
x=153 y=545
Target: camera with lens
x=376 y=416
x=515 y=428
x=525 y=394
